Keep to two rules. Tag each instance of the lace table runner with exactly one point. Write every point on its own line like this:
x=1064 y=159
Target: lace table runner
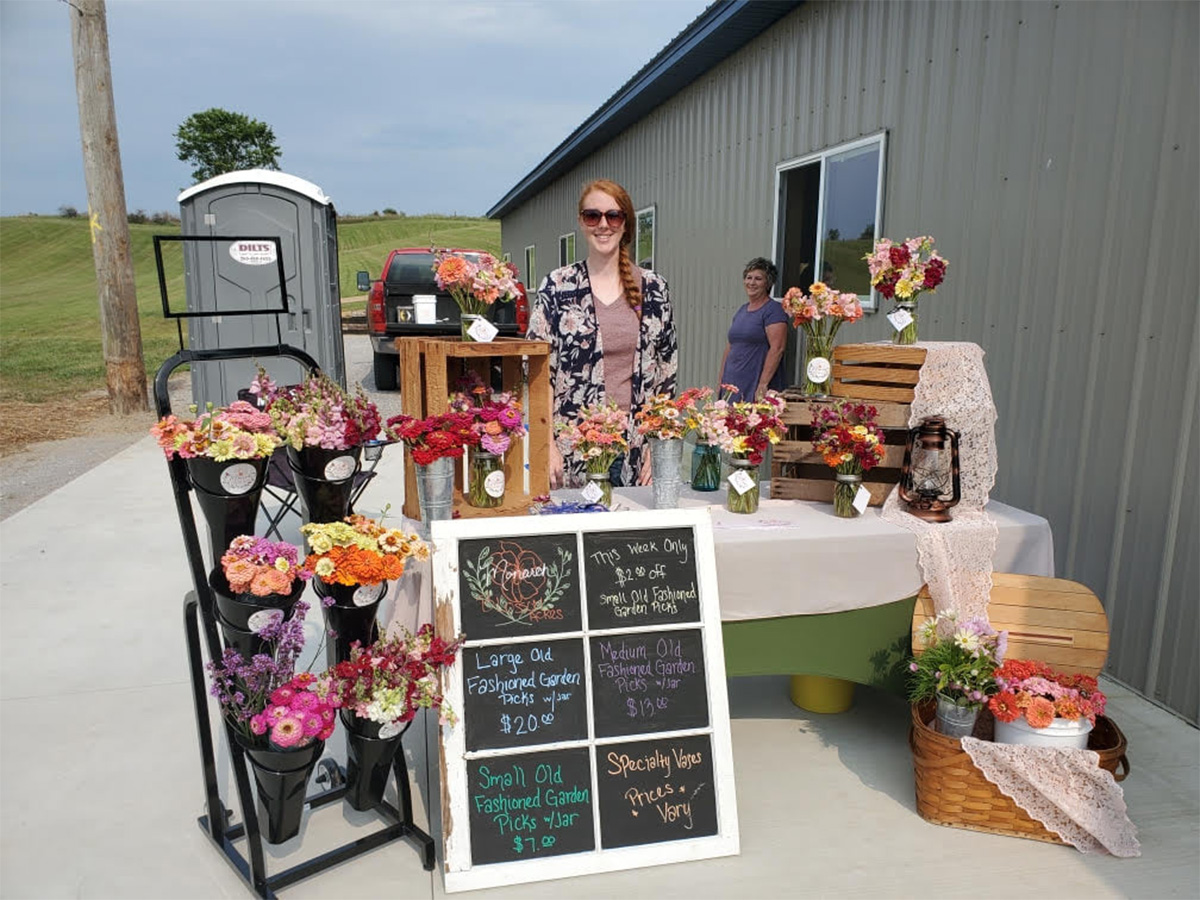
x=1063 y=789
x=956 y=556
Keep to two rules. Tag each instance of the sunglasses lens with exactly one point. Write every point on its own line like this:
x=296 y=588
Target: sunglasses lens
x=590 y=217
x=615 y=217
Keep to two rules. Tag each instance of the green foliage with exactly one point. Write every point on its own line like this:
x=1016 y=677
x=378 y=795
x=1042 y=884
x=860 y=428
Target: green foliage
x=217 y=141
x=959 y=661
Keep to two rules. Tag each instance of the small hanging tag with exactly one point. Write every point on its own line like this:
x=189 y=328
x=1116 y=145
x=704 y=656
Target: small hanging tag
x=818 y=370
x=862 y=499
x=339 y=468
x=239 y=478
x=900 y=319
x=368 y=594
x=493 y=484
x=263 y=618
x=390 y=730
x=741 y=481
x=592 y=492
x=483 y=331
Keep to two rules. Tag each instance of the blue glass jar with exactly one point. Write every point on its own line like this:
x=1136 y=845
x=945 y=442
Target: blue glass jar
x=706 y=467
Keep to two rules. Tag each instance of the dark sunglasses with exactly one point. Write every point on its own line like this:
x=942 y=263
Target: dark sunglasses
x=592 y=217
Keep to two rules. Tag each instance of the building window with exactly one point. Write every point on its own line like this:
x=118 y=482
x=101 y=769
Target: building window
x=530 y=268
x=566 y=249
x=643 y=239
x=828 y=216
x=507 y=257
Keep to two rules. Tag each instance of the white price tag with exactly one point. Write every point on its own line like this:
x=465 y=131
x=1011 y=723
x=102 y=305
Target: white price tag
x=368 y=594
x=493 y=484
x=483 y=331
x=390 y=730
x=862 y=499
x=741 y=481
x=818 y=370
x=263 y=618
x=239 y=478
x=900 y=319
x=339 y=468
x=592 y=492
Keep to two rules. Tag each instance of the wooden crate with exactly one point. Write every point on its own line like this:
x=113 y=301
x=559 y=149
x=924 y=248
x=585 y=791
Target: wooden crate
x=876 y=371
x=799 y=473
x=429 y=371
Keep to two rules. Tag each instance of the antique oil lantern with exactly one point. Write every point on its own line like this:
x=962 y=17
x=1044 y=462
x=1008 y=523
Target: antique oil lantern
x=929 y=483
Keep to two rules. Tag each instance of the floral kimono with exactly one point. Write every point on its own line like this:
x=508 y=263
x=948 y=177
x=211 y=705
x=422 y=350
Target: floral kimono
x=565 y=315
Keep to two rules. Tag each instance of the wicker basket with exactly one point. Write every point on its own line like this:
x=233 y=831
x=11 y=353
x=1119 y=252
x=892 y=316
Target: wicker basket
x=952 y=791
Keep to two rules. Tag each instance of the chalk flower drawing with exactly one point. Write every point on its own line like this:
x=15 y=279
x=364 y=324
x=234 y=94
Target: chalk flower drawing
x=514 y=582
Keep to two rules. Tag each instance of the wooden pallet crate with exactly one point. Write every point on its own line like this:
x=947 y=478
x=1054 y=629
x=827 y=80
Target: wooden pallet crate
x=429 y=370
x=876 y=371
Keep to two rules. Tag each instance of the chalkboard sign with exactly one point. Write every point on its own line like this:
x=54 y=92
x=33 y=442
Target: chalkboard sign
x=593 y=730
x=641 y=578
x=517 y=695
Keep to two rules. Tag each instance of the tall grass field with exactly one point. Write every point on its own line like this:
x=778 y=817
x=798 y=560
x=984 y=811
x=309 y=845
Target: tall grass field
x=50 y=339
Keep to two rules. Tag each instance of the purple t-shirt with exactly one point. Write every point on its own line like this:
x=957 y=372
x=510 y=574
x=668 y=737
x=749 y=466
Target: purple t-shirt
x=748 y=346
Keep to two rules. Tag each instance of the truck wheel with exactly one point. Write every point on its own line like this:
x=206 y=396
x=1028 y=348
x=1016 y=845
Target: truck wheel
x=385 y=371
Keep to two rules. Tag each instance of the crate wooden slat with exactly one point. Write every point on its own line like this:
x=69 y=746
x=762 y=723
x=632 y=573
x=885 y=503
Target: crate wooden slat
x=876 y=371
x=429 y=370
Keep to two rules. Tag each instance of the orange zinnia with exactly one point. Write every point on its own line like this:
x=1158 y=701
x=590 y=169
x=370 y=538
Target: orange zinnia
x=1040 y=712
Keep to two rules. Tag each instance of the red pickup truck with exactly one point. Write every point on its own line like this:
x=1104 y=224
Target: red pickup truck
x=408 y=272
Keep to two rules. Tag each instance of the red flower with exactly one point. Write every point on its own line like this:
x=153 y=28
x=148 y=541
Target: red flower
x=1004 y=706
x=899 y=256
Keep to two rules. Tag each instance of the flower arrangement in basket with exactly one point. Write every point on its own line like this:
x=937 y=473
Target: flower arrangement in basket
x=238 y=431
x=496 y=419
x=957 y=668
x=1032 y=696
x=819 y=314
x=257 y=566
x=358 y=552
x=904 y=271
x=475 y=285
x=851 y=443
x=752 y=426
x=598 y=437
x=434 y=437
x=318 y=413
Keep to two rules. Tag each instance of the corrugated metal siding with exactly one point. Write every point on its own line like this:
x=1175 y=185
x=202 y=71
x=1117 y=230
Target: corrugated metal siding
x=1052 y=150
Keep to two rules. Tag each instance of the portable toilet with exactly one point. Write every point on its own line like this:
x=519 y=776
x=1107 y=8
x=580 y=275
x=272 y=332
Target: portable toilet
x=237 y=275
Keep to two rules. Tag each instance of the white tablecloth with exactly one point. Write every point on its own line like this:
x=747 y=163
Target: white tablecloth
x=796 y=557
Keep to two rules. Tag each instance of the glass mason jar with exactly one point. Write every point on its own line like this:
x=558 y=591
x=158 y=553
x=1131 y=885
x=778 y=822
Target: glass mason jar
x=907 y=334
x=706 y=467
x=846 y=486
x=818 y=365
x=485 y=479
x=742 y=496
x=467 y=320
x=603 y=481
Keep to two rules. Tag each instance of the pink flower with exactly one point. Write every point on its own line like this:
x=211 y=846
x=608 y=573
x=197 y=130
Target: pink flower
x=287 y=732
x=313 y=724
x=305 y=702
x=282 y=695
x=258 y=724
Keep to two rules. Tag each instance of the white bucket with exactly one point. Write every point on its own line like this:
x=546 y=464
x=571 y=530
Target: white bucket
x=1059 y=733
x=425 y=309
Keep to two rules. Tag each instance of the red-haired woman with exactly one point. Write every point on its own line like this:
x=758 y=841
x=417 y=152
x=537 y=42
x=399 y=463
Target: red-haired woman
x=610 y=328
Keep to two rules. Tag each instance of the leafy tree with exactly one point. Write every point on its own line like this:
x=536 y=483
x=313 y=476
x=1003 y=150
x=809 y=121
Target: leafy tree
x=68 y=212
x=217 y=141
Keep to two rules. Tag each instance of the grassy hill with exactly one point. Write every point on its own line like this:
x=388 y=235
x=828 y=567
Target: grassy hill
x=50 y=344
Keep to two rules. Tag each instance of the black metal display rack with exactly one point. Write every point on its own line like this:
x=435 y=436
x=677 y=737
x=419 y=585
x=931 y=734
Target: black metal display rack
x=200 y=628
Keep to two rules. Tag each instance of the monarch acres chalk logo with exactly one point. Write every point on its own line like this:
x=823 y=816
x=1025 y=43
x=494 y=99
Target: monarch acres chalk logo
x=253 y=253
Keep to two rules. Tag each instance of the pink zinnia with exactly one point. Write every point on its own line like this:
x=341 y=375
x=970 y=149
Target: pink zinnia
x=275 y=713
x=313 y=725
x=326 y=733
x=258 y=724
x=270 y=581
x=287 y=732
x=282 y=695
x=305 y=702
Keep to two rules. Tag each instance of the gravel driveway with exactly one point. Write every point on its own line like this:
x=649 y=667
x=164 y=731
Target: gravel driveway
x=41 y=468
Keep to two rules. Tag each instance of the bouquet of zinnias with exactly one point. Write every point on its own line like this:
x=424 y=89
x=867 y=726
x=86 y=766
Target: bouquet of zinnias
x=318 y=413
x=958 y=662
x=905 y=270
x=1037 y=692
x=597 y=436
x=475 y=285
x=754 y=425
x=495 y=418
x=821 y=312
x=238 y=431
x=359 y=551
x=670 y=418
x=254 y=565
x=394 y=677
x=435 y=437
x=847 y=437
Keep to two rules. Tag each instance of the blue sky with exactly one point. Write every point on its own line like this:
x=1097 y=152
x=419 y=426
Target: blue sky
x=421 y=106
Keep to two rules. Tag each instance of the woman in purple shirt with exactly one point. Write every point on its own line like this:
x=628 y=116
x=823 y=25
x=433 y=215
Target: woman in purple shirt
x=757 y=336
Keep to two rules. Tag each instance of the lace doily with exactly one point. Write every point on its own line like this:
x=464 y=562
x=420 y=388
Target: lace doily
x=1063 y=789
x=956 y=556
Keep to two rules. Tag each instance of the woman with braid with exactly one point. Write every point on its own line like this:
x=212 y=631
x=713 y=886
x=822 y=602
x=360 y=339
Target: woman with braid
x=611 y=332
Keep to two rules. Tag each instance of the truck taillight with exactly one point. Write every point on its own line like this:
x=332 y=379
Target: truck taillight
x=376 y=319
x=522 y=311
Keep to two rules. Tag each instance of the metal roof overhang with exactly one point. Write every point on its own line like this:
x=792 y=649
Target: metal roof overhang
x=717 y=33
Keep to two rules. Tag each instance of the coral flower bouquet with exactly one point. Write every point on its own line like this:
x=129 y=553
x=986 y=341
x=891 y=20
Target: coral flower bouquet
x=902 y=272
x=263 y=568
x=358 y=552
x=598 y=438
x=496 y=420
x=318 y=413
x=670 y=418
x=819 y=314
x=475 y=284
x=851 y=443
x=1038 y=695
x=238 y=431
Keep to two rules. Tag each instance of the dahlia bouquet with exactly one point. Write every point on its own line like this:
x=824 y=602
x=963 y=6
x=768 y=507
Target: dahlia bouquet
x=238 y=431
x=851 y=443
x=475 y=285
x=359 y=551
x=958 y=662
x=254 y=565
x=391 y=679
x=903 y=271
x=819 y=314
x=1037 y=692
x=318 y=413
x=434 y=437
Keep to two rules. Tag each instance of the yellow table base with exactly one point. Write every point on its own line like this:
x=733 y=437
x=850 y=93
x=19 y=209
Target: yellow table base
x=816 y=693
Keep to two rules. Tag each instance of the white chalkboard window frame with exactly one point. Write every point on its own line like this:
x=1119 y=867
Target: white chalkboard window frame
x=458 y=872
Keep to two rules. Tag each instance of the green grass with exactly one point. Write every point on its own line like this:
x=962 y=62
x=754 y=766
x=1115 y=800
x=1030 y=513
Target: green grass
x=50 y=340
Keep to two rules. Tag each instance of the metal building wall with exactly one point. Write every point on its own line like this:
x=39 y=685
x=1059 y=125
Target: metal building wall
x=1052 y=151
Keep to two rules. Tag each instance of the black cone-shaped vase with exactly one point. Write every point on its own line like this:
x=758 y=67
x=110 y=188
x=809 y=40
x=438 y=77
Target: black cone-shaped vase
x=242 y=615
x=371 y=749
x=324 y=481
x=351 y=617
x=281 y=778
x=228 y=493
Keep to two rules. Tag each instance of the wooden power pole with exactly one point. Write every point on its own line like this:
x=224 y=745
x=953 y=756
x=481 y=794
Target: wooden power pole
x=125 y=369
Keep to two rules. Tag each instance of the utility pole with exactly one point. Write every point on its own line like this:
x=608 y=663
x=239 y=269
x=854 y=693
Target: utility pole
x=125 y=369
